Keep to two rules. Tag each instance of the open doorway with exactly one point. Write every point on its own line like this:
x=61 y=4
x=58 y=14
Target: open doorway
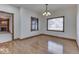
x=7 y=23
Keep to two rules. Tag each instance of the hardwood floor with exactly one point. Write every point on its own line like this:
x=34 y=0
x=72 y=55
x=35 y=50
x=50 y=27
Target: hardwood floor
x=37 y=45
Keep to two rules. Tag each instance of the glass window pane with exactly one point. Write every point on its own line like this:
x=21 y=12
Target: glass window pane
x=56 y=24
x=34 y=24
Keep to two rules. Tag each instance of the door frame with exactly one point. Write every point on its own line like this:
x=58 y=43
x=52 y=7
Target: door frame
x=12 y=14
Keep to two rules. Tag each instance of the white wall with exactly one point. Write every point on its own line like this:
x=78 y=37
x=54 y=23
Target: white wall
x=78 y=25
x=10 y=9
x=70 y=22
x=25 y=23
x=4 y=37
x=22 y=23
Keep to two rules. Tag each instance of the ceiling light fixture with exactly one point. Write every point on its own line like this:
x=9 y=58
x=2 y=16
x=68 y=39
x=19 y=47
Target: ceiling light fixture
x=46 y=12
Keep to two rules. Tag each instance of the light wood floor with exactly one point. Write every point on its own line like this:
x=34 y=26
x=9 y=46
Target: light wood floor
x=37 y=45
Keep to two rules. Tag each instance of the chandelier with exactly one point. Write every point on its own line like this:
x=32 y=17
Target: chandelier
x=46 y=12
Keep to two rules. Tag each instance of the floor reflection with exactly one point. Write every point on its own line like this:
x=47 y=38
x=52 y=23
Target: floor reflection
x=39 y=45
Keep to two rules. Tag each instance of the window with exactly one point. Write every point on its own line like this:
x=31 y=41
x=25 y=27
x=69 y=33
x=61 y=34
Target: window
x=4 y=25
x=34 y=24
x=56 y=24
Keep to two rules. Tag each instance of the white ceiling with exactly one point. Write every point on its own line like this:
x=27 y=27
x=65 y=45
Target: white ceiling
x=41 y=7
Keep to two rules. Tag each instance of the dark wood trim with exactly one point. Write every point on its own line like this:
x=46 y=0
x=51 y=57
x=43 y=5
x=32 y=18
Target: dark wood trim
x=54 y=18
x=12 y=26
x=58 y=37
x=31 y=36
x=8 y=25
x=12 y=22
x=50 y=36
x=37 y=24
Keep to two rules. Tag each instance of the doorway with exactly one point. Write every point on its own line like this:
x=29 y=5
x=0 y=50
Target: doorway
x=10 y=17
